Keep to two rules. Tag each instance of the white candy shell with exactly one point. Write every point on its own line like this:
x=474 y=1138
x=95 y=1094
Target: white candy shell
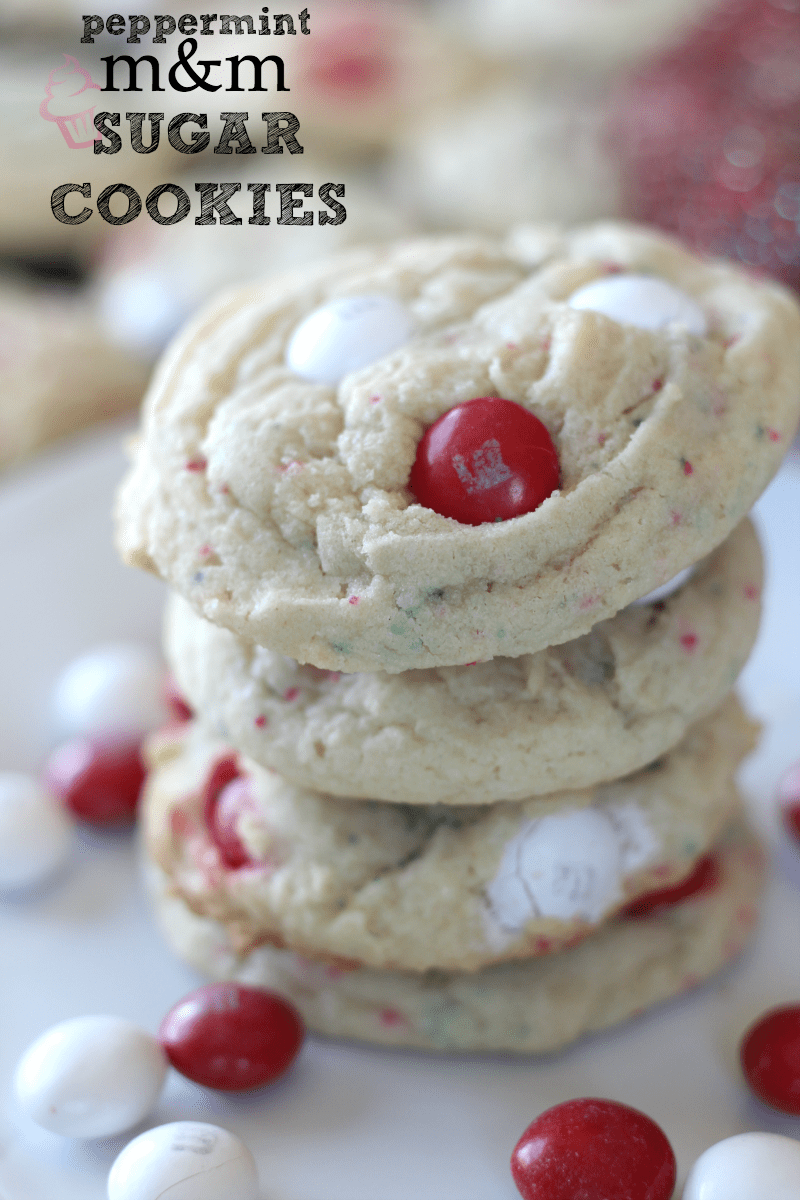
x=114 y=689
x=186 y=1160
x=750 y=1166
x=347 y=334
x=666 y=589
x=90 y=1077
x=35 y=832
x=641 y=300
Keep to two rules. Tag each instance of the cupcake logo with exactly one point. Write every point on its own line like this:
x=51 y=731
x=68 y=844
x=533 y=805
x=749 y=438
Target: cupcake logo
x=70 y=101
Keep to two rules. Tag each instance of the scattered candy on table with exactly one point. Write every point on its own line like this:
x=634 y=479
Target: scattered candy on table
x=114 y=689
x=641 y=300
x=97 y=779
x=35 y=832
x=749 y=1166
x=232 y=1037
x=789 y=797
x=186 y=1160
x=596 y=1150
x=347 y=334
x=770 y=1054
x=90 y=1077
x=485 y=460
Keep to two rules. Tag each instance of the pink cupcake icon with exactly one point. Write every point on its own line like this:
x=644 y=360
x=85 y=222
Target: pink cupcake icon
x=70 y=102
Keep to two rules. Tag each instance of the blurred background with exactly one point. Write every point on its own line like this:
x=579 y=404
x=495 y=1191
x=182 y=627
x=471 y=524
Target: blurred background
x=434 y=114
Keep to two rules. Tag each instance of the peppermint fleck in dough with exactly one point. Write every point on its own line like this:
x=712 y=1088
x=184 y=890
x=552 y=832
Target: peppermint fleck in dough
x=320 y=552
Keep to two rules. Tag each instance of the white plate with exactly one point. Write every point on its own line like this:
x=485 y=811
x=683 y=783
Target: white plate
x=349 y=1123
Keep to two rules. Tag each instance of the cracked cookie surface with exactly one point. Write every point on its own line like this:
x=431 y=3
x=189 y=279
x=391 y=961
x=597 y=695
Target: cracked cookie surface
x=566 y=717
x=280 y=509
x=413 y=887
x=529 y=1007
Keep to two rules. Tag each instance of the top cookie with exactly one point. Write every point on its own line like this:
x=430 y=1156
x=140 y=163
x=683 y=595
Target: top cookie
x=280 y=507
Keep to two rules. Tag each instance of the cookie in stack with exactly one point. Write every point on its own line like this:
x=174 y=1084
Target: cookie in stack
x=463 y=783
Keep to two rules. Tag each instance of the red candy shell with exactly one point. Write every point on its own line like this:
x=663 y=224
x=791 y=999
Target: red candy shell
x=485 y=460
x=594 y=1150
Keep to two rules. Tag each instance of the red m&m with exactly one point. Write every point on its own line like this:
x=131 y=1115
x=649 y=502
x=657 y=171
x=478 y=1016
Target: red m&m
x=789 y=797
x=485 y=460
x=222 y=802
x=704 y=878
x=232 y=1037
x=595 y=1149
x=770 y=1054
x=99 y=779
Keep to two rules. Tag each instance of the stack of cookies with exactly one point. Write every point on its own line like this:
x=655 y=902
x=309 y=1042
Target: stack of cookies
x=459 y=781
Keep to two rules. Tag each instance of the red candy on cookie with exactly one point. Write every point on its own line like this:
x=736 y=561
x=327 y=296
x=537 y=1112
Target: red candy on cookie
x=220 y=809
x=485 y=460
x=232 y=1037
x=595 y=1150
x=770 y=1054
x=99 y=779
x=704 y=878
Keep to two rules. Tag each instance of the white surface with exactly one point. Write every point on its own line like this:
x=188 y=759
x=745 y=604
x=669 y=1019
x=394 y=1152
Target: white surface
x=348 y=1122
x=90 y=1076
x=763 y=1165
x=35 y=831
x=188 y=1160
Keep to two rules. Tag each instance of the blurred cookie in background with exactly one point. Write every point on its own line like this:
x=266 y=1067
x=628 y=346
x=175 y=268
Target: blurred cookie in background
x=58 y=373
x=46 y=143
x=516 y=152
x=354 y=73
x=596 y=35
x=152 y=277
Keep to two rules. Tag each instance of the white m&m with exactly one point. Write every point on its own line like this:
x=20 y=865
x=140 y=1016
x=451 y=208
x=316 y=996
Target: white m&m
x=641 y=300
x=186 y=1160
x=35 y=831
x=750 y=1166
x=90 y=1077
x=347 y=334
x=666 y=589
x=114 y=689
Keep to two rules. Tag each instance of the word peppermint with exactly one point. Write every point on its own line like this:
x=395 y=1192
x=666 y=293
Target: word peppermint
x=186 y=25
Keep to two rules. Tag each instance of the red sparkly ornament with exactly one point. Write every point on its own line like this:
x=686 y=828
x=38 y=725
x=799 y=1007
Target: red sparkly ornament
x=770 y=1054
x=789 y=796
x=710 y=137
x=223 y=794
x=595 y=1150
x=704 y=878
x=485 y=460
x=98 y=779
x=231 y=1037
